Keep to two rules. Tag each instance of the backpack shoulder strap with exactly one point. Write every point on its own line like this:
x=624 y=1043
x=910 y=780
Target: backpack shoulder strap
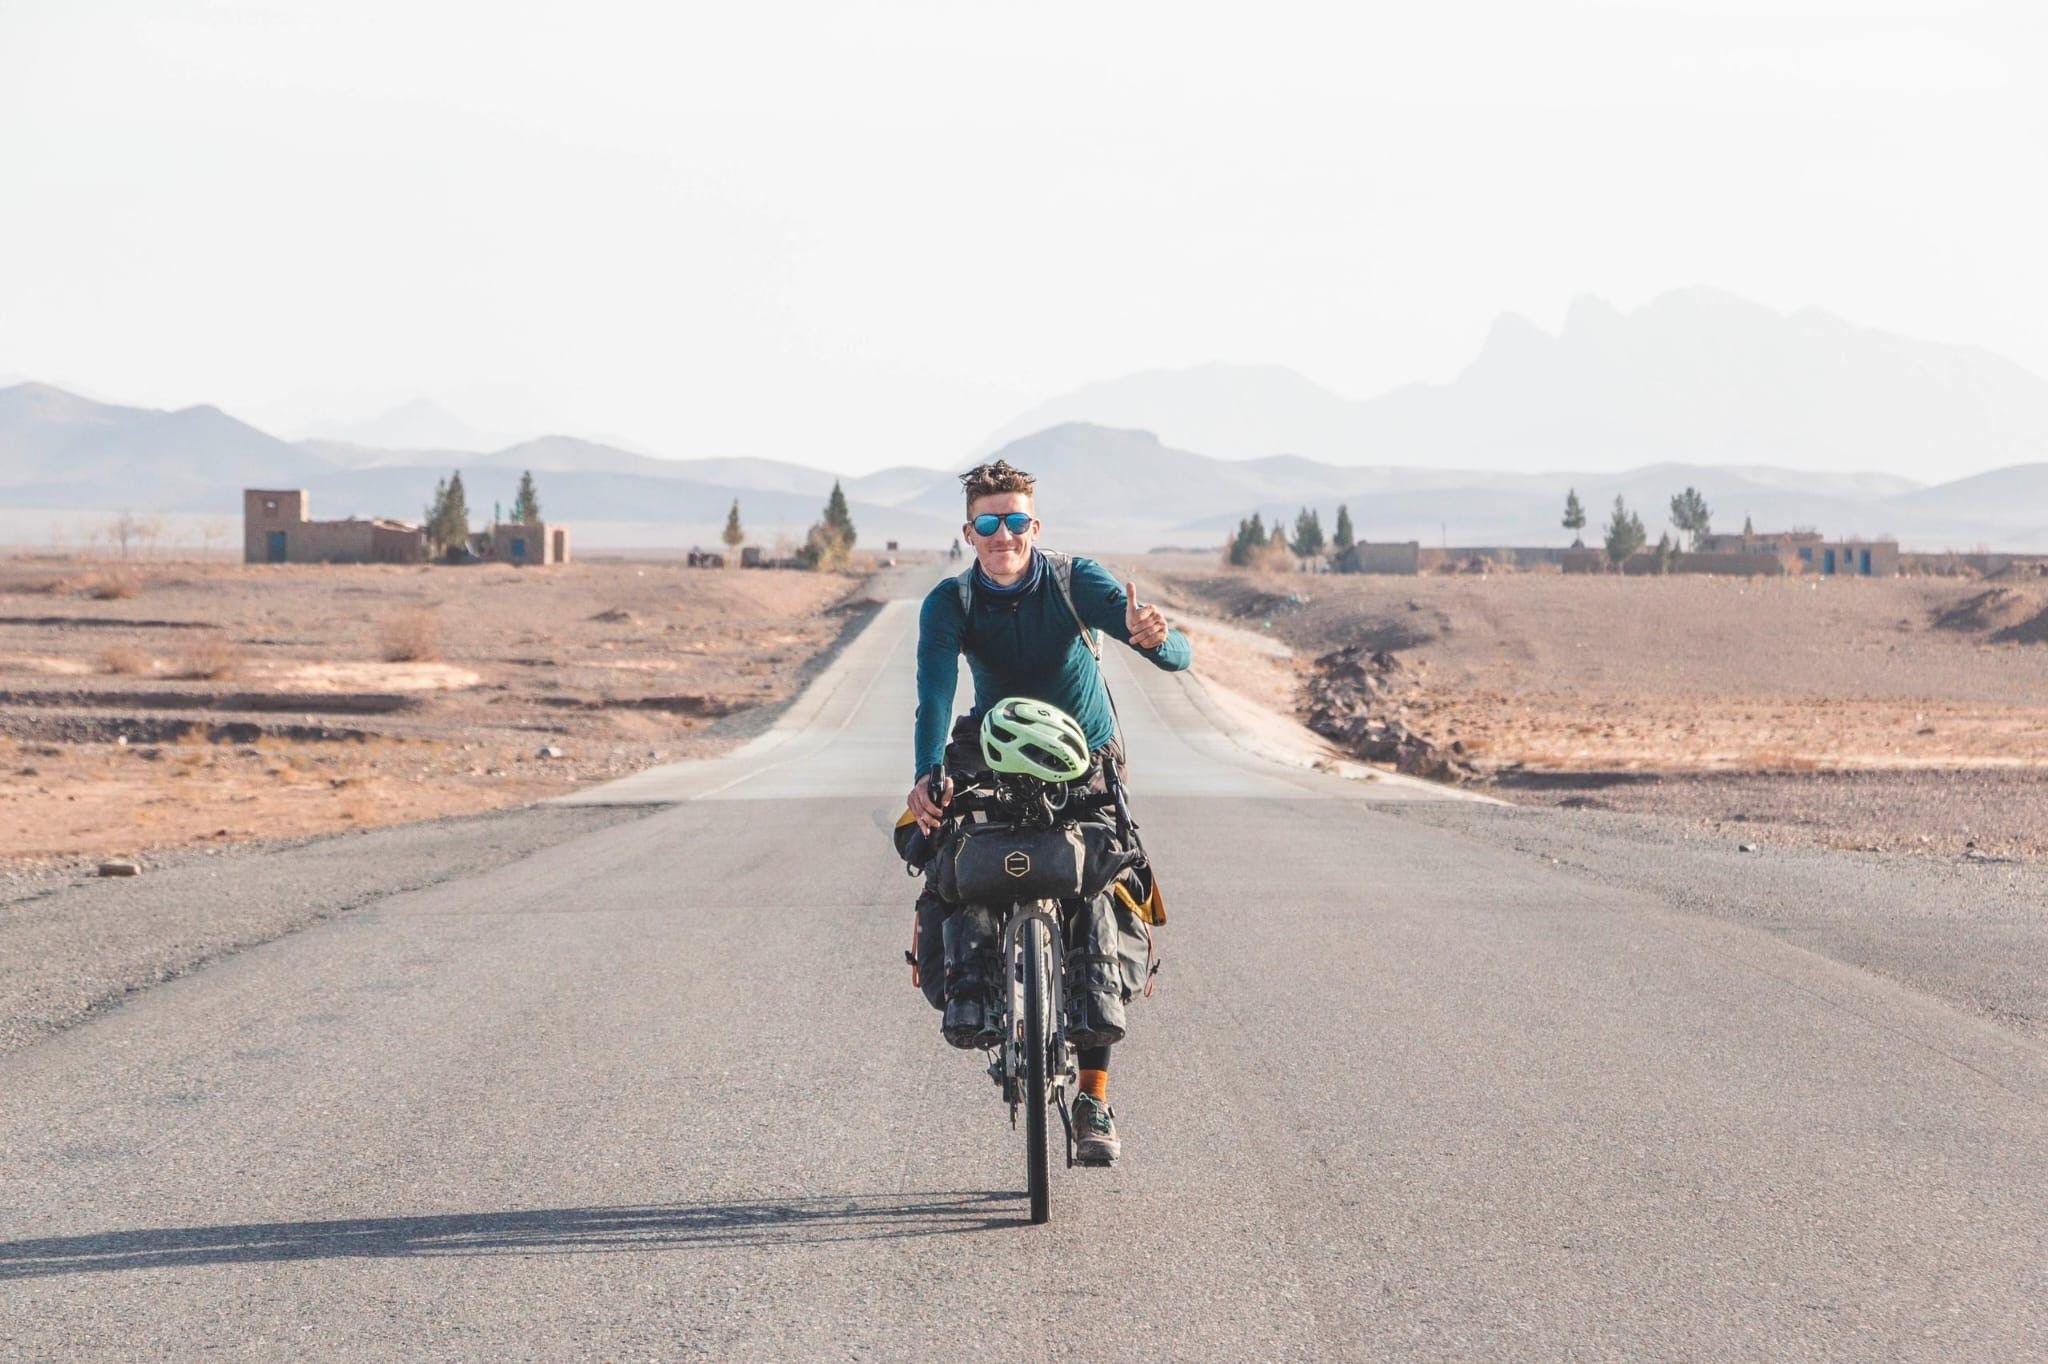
x=965 y=582
x=1062 y=566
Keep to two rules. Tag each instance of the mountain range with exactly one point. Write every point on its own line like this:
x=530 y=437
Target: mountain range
x=421 y=424
x=1696 y=376
x=1763 y=412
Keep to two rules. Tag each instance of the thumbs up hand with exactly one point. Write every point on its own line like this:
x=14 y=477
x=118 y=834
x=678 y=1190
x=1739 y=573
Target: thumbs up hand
x=1146 y=625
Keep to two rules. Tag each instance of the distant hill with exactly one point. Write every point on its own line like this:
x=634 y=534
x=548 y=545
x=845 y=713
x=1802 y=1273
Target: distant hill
x=1127 y=488
x=59 y=450
x=1231 y=411
x=895 y=485
x=1101 y=487
x=421 y=424
x=1696 y=376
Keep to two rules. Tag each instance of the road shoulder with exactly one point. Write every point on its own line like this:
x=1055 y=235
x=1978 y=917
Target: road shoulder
x=76 y=950
x=1973 y=934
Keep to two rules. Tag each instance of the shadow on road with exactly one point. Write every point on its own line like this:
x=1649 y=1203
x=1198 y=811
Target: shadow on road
x=540 y=1231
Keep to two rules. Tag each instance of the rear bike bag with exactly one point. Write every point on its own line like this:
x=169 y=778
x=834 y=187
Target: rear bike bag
x=1000 y=862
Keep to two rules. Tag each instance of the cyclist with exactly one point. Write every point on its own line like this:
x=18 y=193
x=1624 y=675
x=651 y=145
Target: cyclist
x=1021 y=638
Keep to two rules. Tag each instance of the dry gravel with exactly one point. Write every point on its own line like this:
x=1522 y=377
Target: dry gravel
x=158 y=706
x=1901 y=714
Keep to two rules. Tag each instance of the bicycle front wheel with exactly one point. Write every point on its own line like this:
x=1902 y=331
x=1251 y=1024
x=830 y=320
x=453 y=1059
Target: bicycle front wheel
x=1037 y=1003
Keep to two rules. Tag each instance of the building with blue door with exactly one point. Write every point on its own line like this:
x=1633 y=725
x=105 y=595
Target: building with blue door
x=526 y=544
x=1798 y=551
x=277 y=530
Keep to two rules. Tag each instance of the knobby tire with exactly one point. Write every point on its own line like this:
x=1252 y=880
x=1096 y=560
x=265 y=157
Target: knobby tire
x=1035 y=1099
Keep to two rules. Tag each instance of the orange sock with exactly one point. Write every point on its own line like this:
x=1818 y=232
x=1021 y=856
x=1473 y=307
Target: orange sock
x=1095 y=1084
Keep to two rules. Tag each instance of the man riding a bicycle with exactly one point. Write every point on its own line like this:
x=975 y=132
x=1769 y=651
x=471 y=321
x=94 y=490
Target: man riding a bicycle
x=1019 y=622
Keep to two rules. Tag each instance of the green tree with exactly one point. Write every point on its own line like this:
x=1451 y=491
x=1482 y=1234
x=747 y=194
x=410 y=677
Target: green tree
x=526 y=502
x=733 y=535
x=1625 y=533
x=1238 y=553
x=829 y=543
x=1689 y=513
x=448 y=518
x=838 y=517
x=1666 y=552
x=1343 y=537
x=1308 y=534
x=1574 y=516
x=430 y=518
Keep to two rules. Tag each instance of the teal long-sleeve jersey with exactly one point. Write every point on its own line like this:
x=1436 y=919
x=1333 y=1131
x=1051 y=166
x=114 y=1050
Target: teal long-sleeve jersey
x=1024 y=646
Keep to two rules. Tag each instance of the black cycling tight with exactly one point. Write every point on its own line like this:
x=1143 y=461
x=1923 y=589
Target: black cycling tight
x=1092 y=1058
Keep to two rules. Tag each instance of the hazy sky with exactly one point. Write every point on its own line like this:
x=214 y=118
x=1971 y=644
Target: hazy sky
x=862 y=234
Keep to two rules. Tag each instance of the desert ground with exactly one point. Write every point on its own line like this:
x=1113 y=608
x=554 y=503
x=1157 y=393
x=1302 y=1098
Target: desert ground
x=152 y=707
x=155 y=707
x=1901 y=714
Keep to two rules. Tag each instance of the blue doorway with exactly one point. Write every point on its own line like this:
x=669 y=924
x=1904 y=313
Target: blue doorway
x=273 y=547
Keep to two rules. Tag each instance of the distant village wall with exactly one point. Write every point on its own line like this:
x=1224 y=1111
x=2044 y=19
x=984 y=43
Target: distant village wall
x=1393 y=557
x=1431 y=558
x=1982 y=563
x=1730 y=563
x=276 y=530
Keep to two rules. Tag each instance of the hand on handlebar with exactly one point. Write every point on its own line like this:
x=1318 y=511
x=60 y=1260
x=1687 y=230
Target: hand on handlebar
x=928 y=812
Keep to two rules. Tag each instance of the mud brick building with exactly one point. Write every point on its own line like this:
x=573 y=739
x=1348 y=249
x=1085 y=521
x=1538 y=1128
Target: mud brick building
x=276 y=530
x=525 y=543
x=1799 y=551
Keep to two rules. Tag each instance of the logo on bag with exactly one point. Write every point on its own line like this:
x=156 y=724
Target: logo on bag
x=1017 y=863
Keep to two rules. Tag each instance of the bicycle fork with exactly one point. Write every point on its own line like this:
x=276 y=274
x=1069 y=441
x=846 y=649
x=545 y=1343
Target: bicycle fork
x=1008 y=1068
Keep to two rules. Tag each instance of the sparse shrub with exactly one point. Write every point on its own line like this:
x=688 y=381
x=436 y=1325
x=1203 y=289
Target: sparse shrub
x=210 y=658
x=124 y=660
x=825 y=549
x=1275 y=556
x=829 y=545
x=1245 y=546
x=411 y=636
x=116 y=584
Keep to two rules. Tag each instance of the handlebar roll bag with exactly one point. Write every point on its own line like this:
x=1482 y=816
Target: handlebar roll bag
x=1003 y=862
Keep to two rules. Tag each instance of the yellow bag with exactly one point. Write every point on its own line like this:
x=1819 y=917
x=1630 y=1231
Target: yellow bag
x=1151 y=909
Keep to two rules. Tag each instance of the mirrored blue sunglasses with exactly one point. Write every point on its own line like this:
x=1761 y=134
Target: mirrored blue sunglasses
x=1018 y=522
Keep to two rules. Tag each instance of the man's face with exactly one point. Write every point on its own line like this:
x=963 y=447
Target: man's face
x=1005 y=553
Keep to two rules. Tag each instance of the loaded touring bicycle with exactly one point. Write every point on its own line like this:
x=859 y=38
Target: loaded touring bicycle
x=1040 y=850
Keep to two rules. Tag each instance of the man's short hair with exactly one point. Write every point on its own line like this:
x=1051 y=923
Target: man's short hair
x=984 y=480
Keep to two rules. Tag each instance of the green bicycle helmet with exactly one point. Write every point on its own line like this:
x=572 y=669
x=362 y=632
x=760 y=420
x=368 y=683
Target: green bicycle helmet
x=1021 y=735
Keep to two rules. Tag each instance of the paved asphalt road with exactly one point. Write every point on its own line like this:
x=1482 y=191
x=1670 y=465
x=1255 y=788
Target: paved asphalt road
x=664 y=1089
